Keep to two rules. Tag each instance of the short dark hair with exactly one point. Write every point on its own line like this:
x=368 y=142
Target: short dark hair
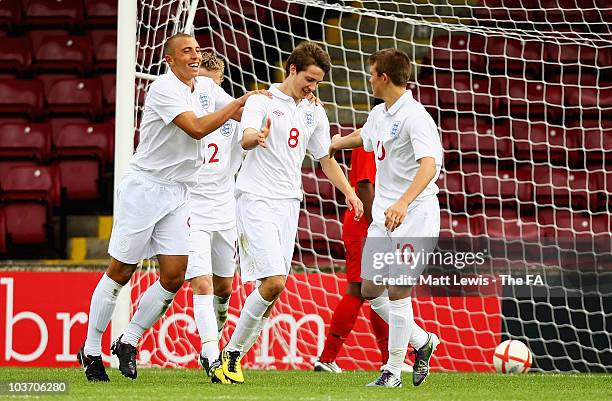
x=307 y=54
x=169 y=43
x=395 y=63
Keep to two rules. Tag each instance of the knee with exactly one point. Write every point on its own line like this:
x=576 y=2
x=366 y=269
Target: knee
x=120 y=272
x=202 y=285
x=272 y=287
x=172 y=283
x=224 y=291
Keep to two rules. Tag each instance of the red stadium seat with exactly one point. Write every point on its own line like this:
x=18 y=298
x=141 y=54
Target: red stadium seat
x=595 y=137
x=589 y=101
x=86 y=140
x=239 y=12
x=425 y=93
x=452 y=191
x=458 y=224
x=318 y=190
x=63 y=53
x=54 y=13
x=38 y=36
x=457 y=52
x=101 y=12
x=561 y=187
x=534 y=99
x=507 y=224
x=25 y=140
x=565 y=223
x=321 y=233
x=497 y=186
x=15 y=55
x=235 y=46
x=11 y=13
x=23 y=97
x=573 y=57
x=27 y=222
x=506 y=56
x=76 y=96
x=105 y=49
x=540 y=142
x=2 y=231
x=81 y=178
x=472 y=138
x=464 y=92
x=32 y=183
x=109 y=92
x=576 y=12
x=7 y=165
x=503 y=10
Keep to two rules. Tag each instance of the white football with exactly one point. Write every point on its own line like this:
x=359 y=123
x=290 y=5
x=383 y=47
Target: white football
x=512 y=356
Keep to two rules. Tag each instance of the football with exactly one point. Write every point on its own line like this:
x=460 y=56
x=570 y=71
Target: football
x=512 y=356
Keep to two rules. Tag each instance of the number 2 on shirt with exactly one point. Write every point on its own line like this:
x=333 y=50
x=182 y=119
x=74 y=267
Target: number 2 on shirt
x=213 y=158
x=293 y=137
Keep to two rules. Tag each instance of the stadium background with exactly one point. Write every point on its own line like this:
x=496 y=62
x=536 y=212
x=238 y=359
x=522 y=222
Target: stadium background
x=520 y=89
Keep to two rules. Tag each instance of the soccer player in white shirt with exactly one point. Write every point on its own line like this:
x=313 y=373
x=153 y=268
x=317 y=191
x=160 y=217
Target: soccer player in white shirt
x=277 y=132
x=152 y=207
x=212 y=231
x=408 y=161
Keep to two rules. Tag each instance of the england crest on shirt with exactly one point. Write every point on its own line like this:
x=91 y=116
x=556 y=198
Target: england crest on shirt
x=227 y=129
x=310 y=120
x=395 y=128
x=204 y=102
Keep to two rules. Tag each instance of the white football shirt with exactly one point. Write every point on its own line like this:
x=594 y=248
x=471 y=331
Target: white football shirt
x=275 y=172
x=164 y=150
x=400 y=137
x=213 y=206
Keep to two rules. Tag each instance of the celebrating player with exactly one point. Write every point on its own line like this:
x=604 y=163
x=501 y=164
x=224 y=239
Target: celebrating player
x=152 y=207
x=277 y=132
x=408 y=154
x=212 y=232
x=361 y=177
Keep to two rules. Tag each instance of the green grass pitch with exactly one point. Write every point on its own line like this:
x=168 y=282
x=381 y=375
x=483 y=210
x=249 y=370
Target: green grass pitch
x=188 y=384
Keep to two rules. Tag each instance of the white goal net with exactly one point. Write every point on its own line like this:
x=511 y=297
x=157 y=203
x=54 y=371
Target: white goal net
x=522 y=93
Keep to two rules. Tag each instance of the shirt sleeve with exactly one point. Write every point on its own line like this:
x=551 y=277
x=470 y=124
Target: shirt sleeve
x=363 y=166
x=319 y=142
x=236 y=150
x=167 y=102
x=254 y=114
x=425 y=139
x=367 y=133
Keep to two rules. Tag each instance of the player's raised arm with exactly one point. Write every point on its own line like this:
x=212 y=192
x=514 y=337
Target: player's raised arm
x=334 y=173
x=351 y=141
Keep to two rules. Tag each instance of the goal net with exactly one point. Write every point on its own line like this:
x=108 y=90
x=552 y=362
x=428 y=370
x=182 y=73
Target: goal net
x=522 y=93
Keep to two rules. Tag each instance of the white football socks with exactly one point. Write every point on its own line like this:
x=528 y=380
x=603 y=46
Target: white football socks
x=221 y=306
x=254 y=336
x=152 y=306
x=206 y=322
x=401 y=320
x=381 y=305
x=100 y=312
x=250 y=316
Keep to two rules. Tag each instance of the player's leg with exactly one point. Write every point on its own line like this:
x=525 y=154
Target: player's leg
x=170 y=242
x=100 y=312
x=224 y=265
x=381 y=333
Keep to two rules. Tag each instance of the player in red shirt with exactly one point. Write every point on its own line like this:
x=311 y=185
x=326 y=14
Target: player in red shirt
x=361 y=178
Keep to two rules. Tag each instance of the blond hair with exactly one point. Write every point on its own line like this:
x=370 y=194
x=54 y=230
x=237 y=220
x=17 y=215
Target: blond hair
x=212 y=62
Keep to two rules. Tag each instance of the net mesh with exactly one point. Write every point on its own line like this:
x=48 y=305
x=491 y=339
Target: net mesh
x=521 y=91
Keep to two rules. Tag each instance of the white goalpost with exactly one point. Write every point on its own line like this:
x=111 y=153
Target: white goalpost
x=522 y=93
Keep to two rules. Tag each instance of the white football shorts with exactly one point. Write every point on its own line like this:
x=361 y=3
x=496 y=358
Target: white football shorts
x=211 y=252
x=266 y=235
x=150 y=219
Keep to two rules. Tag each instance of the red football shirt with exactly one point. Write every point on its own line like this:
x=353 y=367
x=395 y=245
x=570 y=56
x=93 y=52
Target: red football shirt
x=363 y=168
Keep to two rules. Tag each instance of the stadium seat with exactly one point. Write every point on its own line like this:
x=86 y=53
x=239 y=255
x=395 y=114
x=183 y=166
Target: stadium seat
x=39 y=35
x=589 y=102
x=502 y=10
x=573 y=57
x=561 y=187
x=457 y=52
x=458 y=224
x=105 y=49
x=32 y=183
x=540 y=142
x=85 y=140
x=506 y=224
x=109 y=92
x=469 y=138
x=19 y=140
x=11 y=14
x=63 y=53
x=323 y=234
x=573 y=11
x=240 y=13
x=464 y=92
x=425 y=93
x=22 y=97
x=497 y=186
x=565 y=223
x=318 y=190
x=3 y=241
x=507 y=56
x=27 y=222
x=101 y=13
x=15 y=55
x=81 y=178
x=596 y=139
x=51 y=13
x=533 y=99
x=76 y=96
x=6 y=165
x=235 y=46
x=452 y=193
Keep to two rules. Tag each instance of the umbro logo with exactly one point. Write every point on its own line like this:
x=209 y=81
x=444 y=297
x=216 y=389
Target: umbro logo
x=278 y=113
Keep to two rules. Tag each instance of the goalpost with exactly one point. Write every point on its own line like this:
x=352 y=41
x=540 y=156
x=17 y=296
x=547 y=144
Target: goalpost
x=522 y=93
